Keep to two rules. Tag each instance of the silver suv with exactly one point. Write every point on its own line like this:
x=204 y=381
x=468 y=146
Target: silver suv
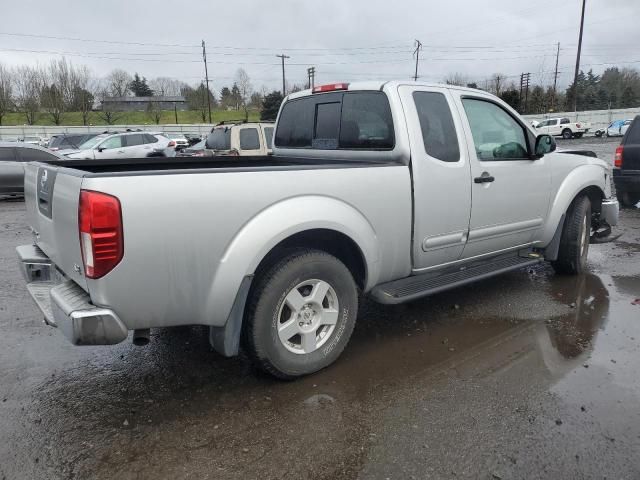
x=122 y=145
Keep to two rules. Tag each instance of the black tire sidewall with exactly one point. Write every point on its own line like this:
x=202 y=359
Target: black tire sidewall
x=567 y=137
x=305 y=267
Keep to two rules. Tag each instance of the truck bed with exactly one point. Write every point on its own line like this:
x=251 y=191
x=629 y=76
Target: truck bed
x=143 y=166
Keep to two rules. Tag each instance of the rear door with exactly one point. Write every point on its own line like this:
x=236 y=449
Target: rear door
x=135 y=145
x=510 y=191
x=441 y=176
x=631 y=152
x=11 y=171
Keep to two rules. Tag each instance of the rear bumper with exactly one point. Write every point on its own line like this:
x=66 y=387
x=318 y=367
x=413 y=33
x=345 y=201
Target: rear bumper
x=626 y=182
x=65 y=305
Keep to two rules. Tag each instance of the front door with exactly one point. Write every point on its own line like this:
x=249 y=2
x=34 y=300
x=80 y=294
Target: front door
x=510 y=191
x=441 y=176
x=110 y=148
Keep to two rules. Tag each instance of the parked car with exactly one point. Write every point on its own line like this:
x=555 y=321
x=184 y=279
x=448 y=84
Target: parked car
x=13 y=157
x=32 y=140
x=179 y=140
x=197 y=150
x=618 y=128
x=564 y=127
x=626 y=171
x=241 y=139
x=193 y=138
x=122 y=145
x=69 y=141
x=397 y=190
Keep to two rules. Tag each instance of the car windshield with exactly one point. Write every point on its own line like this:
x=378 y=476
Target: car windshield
x=92 y=142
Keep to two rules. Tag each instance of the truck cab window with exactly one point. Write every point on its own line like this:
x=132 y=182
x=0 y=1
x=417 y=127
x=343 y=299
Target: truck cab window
x=249 y=139
x=366 y=122
x=438 y=131
x=496 y=134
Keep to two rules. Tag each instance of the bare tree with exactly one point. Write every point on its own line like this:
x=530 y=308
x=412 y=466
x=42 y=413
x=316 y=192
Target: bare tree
x=166 y=86
x=154 y=111
x=243 y=82
x=497 y=83
x=57 y=89
x=107 y=112
x=6 y=91
x=83 y=89
x=28 y=84
x=459 y=79
x=118 y=83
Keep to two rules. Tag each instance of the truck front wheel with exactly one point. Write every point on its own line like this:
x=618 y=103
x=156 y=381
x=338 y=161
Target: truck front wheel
x=301 y=313
x=567 y=134
x=574 y=242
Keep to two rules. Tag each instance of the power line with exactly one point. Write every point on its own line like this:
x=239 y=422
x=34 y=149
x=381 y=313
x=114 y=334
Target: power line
x=113 y=42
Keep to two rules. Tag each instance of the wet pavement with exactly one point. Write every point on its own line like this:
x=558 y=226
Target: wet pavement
x=527 y=375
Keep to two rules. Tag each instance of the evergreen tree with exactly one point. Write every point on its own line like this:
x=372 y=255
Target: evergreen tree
x=270 y=105
x=139 y=87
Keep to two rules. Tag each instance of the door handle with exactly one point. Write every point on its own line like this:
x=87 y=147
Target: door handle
x=484 y=178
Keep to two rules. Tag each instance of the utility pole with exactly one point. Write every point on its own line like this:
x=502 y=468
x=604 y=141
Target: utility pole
x=311 y=73
x=575 y=76
x=555 y=79
x=524 y=86
x=206 y=76
x=416 y=52
x=282 y=57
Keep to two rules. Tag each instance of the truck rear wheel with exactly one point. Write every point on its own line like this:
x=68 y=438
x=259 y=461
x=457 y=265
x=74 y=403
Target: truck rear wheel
x=301 y=313
x=567 y=134
x=574 y=242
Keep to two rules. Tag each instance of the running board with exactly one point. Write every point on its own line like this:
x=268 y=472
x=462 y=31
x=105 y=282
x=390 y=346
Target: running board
x=417 y=286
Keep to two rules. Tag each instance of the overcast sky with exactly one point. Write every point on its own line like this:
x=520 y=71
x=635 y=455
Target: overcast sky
x=344 y=40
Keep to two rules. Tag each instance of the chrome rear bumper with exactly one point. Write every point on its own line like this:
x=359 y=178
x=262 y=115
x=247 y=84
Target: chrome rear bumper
x=66 y=305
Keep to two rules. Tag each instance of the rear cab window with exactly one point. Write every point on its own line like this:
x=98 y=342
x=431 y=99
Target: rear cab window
x=219 y=139
x=249 y=139
x=357 y=120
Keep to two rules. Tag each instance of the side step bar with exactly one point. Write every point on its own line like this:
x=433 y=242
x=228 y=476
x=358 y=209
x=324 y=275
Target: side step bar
x=417 y=286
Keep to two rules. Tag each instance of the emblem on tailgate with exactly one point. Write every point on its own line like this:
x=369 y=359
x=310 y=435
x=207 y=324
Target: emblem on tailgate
x=45 y=182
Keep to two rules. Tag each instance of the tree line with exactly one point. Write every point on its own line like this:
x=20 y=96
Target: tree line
x=61 y=87
x=615 y=88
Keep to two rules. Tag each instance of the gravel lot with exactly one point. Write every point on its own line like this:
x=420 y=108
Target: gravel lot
x=527 y=375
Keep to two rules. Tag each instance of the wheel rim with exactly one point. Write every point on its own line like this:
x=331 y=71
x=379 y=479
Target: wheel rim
x=307 y=317
x=584 y=238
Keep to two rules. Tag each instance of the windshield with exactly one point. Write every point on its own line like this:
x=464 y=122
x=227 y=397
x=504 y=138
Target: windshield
x=92 y=142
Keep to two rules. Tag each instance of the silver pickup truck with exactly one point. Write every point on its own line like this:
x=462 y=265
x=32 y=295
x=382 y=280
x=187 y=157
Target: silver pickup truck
x=396 y=190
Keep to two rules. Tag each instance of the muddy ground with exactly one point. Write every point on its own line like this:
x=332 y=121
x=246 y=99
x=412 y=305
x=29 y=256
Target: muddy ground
x=527 y=375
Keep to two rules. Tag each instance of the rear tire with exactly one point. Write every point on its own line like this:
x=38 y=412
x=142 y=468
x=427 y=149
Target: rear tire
x=301 y=313
x=566 y=134
x=628 y=199
x=578 y=135
x=574 y=242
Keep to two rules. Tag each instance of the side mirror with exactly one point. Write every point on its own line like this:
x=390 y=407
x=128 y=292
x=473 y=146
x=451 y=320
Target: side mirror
x=544 y=144
x=101 y=149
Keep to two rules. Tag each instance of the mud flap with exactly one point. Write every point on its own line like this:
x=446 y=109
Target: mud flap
x=226 y=339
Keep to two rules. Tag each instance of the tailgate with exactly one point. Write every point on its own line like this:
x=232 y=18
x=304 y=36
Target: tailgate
x=51 y=196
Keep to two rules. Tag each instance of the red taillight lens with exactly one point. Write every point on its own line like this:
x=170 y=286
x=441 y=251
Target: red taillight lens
x=101 y=239
x=171 y=144
x=617 y=160
x=578 y=125
x=330 y=87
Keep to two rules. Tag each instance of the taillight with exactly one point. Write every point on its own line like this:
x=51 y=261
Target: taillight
x=101 y=239
x=617 y=160
x=578 y=125
x=331 y=87
x=171 y=144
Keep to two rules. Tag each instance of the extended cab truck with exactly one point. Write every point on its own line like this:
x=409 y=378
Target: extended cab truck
x=562 y=127
x=395 y=189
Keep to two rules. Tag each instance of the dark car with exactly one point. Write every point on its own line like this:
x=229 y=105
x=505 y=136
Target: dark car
x=69 y=141
x=193 y=138
x=197 y=150
x=13 y=156
x=626 y=171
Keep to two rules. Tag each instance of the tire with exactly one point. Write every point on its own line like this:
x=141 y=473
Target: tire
x=578 y=135
x=574 y=242
x=283 y=329
x=567 y=134
x=628 y=199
